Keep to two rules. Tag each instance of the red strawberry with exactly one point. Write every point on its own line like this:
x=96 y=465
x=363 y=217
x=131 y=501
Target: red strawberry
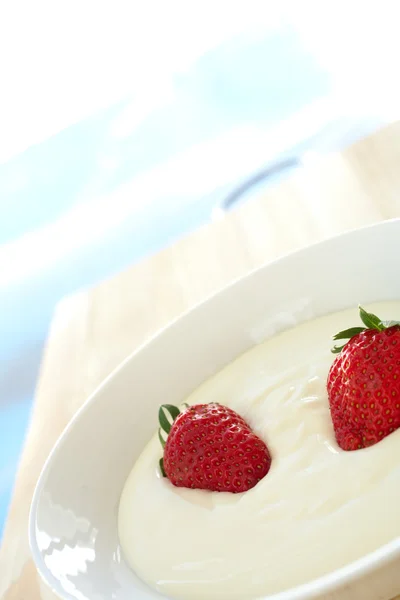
x=210 y=447
x=364 y=383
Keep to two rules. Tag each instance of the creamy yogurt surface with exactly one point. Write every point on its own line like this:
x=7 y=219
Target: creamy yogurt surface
x=317 y=509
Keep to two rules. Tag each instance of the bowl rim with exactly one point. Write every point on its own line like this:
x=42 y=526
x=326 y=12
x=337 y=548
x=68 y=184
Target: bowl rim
x=324 y=584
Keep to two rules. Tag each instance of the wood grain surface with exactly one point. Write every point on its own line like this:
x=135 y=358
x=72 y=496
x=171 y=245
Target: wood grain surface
x=94 y=330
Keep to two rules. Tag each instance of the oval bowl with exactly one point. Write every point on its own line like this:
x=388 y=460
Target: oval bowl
x=73 y=521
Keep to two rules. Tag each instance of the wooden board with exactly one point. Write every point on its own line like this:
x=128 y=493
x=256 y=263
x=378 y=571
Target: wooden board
x=94 y=330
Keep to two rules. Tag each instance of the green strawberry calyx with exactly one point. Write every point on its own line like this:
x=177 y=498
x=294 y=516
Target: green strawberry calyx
x=370 y=321
x=167 y=414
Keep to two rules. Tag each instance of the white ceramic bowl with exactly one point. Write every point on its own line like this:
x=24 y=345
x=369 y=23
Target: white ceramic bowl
x=73 y=524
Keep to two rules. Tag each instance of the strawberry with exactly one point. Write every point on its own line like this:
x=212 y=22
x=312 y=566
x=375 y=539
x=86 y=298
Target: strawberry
x=364 y=383
x=210 y=447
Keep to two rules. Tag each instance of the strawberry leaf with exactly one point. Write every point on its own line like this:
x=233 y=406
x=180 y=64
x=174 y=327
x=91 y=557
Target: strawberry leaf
x=337 y=349
x=173 y=412
x=370 y=320
x=165 y=426
x=160 y=437
x=161 y=464
x=388 y=324
x=348 y=333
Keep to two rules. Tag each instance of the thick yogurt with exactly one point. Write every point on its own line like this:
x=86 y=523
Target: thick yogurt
x=316 y=510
